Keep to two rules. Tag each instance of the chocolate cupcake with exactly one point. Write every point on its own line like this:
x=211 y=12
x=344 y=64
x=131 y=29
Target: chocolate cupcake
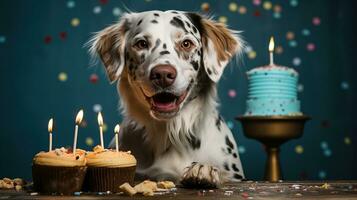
x=59 y=171
x=108 y=169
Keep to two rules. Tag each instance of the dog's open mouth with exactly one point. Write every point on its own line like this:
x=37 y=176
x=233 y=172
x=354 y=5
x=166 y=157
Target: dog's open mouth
x=166 y=102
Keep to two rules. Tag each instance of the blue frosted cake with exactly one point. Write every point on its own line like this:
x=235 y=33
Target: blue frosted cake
x=272 y=90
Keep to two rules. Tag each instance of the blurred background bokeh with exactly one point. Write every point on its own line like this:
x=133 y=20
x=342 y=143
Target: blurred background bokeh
x=45 y=72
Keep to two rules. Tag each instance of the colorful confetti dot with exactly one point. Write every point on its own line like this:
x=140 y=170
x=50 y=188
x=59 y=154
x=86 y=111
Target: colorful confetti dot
x=267 y=5
x=257 y=13
x=97 y=10
x=89 y=141
x=347 y=140
x=75 y=22
x=97 y=108
x=230 y=124
x=233 y=7
x=63 y=35
x=292 y=43
x=294 y=3
x=241 y=149
x=257 y=2
x=103 y=1
x=105 y=127
x=117 y=11
x=344 y=85
x=324 y=145
x=83 y=123
x=62 y=76
x=2 y=39
x=232 y=93
x=93 y=78
x=242 y=10
x=299 y=149
x=205 y=7
x=316 y=21
x=322 y=174
x=305 y=32
x=47 y=39
x=296 y=61
x=310 y=47
x=277 y=8
x=223 y=19
x=279 y=49
x=300 y=87
x=327 y=152
x=277 y=15
x=71 y=4
x=290 y=35
x=248 y=49
x=252 y=54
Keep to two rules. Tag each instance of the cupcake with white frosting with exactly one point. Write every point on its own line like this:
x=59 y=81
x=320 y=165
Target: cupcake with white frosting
x=108 y=169
x=59 y=171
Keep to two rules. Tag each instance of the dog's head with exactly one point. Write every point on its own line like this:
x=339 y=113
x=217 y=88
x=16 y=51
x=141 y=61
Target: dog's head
x=162 y=55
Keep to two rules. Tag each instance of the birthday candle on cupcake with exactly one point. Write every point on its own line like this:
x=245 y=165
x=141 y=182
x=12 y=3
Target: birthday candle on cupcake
x=116 y=131
x=79 y=118
x=100 y=123
x=50 y=126
x=271 y=50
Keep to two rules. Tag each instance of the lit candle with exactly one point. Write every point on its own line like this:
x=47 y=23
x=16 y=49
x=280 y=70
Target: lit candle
x=100 y=122
x=271 y=50
x=116 y=131
x=50 y=125
x=79 y=118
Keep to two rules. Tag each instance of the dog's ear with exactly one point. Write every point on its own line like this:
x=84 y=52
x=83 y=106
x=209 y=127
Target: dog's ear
x=219 y=43
x=109 y=44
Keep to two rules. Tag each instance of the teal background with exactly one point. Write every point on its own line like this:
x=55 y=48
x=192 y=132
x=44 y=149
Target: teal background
x=38 y=42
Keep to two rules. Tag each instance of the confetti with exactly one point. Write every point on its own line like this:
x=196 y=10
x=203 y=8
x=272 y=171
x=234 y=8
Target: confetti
x=257 y=2
x=89 y=141
x=105 y=127
x=267 y=5
x=103 y=1
x=241 y=149
x=279 y=49
x=83 y=123
x=232 y=93
x=97 y=10
x=347 y=140
x=223 y=19
x=324 y=145
x=300 y=87
x=248 y=49
x=233 y=7
x=205 y=7
x=310 y=47
x=290 y=35
x=117 y=11
x=47 y=39
x=277 y=15
x=277 y=8
x=292 y=43
x=316 y=21
x=256 y=13
x=325 y=186
x=344 y=85
x=93 y=78
x=71 y=4
x=75 y=22
x=296 y=61
x=63 y=35
x=242 y=10
x=62 y=76
x=327 y=152
x=299 y=149
x=305 y=32
x=97 y=108
x=2 y=39
x=294 y=3
x=230 y=124
x=252 y=54
x=322 y=174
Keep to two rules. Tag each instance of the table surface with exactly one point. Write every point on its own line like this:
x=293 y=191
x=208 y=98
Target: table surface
x=243 y=190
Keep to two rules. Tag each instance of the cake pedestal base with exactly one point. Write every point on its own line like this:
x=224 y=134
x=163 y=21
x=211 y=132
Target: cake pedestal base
x=273 y=131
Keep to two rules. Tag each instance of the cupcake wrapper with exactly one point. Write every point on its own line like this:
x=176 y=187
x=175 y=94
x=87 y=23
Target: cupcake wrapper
x=102 y=179
x=60 y=180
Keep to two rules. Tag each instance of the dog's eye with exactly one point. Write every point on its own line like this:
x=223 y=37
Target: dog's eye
x=187 y=45
x=141 y=44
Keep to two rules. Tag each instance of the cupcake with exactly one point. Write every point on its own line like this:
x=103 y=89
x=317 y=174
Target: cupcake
x=108 y=169
x=59 y=171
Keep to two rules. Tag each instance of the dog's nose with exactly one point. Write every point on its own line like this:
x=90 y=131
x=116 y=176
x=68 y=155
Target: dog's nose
x=163 y=75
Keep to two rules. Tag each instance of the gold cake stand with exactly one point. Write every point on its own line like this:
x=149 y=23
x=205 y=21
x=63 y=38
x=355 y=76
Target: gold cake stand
x=273 y=131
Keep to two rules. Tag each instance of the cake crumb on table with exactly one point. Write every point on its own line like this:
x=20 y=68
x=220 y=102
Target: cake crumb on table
x=127 y=189
x=166 y=184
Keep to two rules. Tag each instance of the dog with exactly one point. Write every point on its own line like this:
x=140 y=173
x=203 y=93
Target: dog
x=167 y=65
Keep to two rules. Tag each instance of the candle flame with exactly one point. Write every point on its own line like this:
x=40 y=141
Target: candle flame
x=79 y=117
x=271 y=44
x=50 y=125
x=116 y=129
x=100 y=119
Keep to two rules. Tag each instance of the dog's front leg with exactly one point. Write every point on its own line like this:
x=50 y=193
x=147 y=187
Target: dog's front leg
x=199 y=175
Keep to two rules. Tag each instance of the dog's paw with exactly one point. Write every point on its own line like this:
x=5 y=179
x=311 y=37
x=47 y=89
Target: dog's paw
x=200 y=176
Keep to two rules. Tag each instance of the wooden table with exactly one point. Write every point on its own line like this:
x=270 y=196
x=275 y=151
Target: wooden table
x=243 y=190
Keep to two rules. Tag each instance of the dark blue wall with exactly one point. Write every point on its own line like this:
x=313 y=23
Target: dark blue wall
x=38 y=42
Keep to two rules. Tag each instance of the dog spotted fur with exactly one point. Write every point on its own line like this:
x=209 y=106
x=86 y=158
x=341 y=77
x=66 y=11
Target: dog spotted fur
x=182 y=138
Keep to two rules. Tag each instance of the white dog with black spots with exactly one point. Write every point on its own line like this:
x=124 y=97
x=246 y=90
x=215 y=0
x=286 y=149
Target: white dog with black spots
x=167 y=65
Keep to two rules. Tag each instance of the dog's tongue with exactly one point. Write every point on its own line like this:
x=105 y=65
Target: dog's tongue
x=165 y=106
